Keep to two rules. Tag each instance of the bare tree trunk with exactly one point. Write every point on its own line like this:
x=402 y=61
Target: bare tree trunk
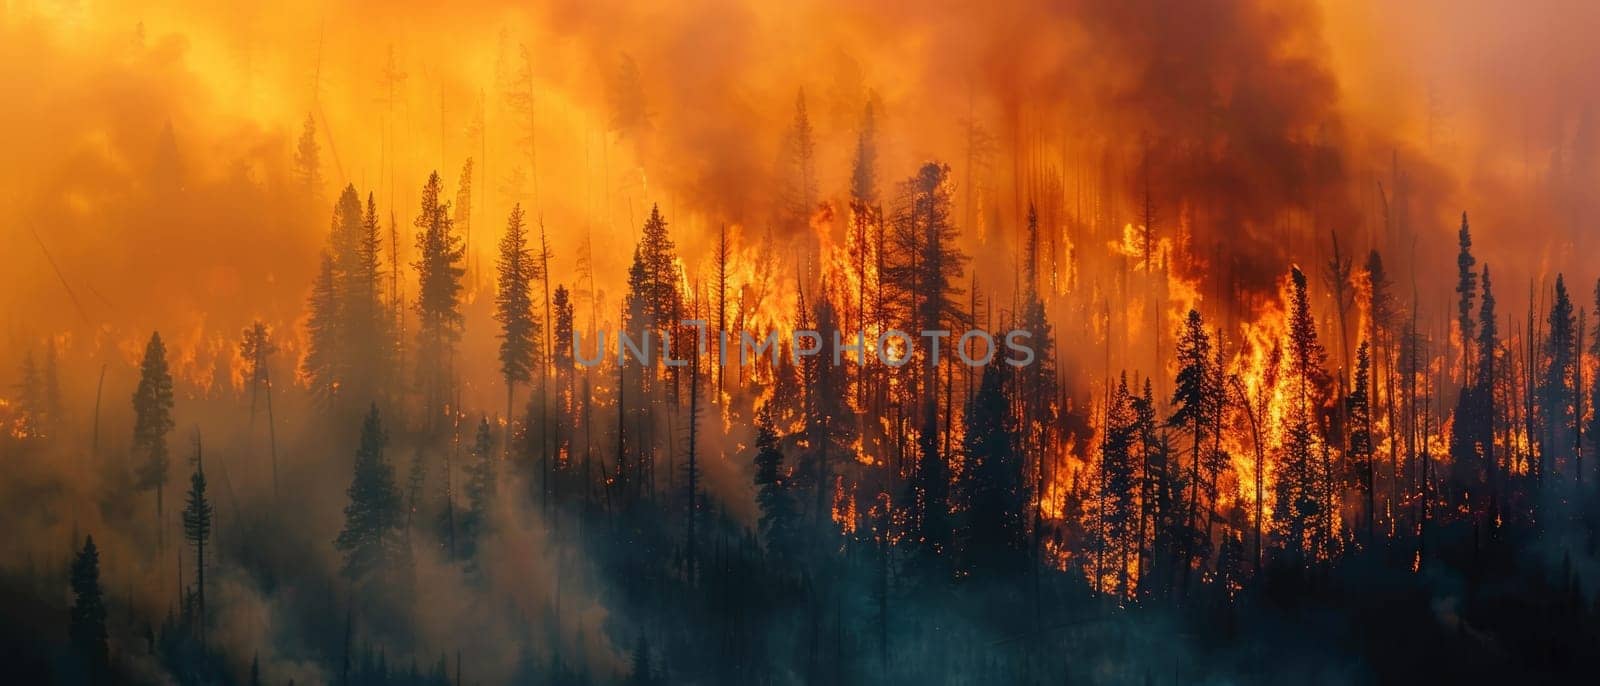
x=511 y=390
x=272 y=441
x=1255 y=434
x=98 y=388
x=1577 y=423
x=161 y=520
x=544 y=367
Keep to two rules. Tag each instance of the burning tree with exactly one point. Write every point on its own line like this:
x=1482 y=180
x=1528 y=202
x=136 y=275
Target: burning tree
x=1303 y=496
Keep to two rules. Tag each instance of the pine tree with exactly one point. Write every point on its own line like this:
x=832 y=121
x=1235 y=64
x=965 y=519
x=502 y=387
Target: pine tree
x=864 y=216
x=341 y=349
x=1466 y=288
x=659 y=287
x=480 y=490
x=1382 y=314
x=1231 y=563
x=462 y=216
x=514 y=309
x=630 y=115
x=319 y=365
x=1488 y=332
x=256 y=347
x=633 y=381
x=773 y=493
x=1488 y=367
x=1594 y=398
x=930 y=265
x=724 y=254
x=438 y=306
x=1472 y=434
x=925 y=276
x=863 y=167
x=636 y=313
x=692 y=476
x=1037 y=395
x=365 y=325
x=1154 y=488
x=197 y=531
x=1560 y=367
x=520 y=100
x=1117 y=492
x=565 y=316
x=307 y=160
x=344 y=235
x=1195 y=407
x=566 y=400
x=826 y=428
x=372 y=519
x=86 y=627
x=994 y=544
x=799 y=178
x=1358 y=410
x=152 y=410
x=1300 y=504
x=653 y=308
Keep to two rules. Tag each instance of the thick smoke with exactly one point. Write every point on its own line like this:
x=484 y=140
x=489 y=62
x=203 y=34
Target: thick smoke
x=1258 y=130
x=149 y=186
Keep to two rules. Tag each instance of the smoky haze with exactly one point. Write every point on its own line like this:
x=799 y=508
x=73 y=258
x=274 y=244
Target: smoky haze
x=1267 y=127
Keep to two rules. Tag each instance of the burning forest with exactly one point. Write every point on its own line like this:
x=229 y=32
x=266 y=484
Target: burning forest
x=726 y=342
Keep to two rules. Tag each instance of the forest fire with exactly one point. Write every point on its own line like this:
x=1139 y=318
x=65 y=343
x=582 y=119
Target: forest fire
x=1179 y=323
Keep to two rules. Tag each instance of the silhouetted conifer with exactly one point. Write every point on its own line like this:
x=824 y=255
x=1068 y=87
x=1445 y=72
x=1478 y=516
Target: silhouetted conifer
x=372 y=518
x=439 y=321
x=994 y=540
x=87 y=625
x=480 y=491
x=152 y=411
x=197 y=531
x=513 y=305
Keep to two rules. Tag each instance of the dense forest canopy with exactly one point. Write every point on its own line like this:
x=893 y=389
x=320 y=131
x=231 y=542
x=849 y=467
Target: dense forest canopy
x=293 y=389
